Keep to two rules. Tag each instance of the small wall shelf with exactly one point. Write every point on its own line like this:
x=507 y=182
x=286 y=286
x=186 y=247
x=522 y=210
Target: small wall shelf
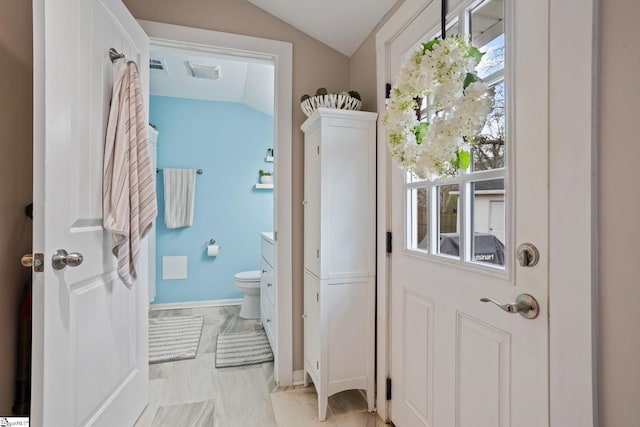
x=264 y=186
x=269 y=159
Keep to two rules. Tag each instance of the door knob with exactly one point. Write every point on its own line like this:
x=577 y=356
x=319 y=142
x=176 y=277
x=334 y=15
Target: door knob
x=27 y=260
x=61 y=259
x=525 y=304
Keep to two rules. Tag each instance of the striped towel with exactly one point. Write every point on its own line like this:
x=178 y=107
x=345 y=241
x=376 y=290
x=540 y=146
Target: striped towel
x=179 y=197
x=128 y=191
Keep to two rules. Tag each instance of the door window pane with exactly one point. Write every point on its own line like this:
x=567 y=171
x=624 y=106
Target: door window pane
x=489 y=148
x=448 y=226
x=453 y=29
x=487 y=198
x=486 y=25
x=418 y=213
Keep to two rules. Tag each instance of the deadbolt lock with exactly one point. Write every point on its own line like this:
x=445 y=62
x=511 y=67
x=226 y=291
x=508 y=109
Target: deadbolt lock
x=528 y=255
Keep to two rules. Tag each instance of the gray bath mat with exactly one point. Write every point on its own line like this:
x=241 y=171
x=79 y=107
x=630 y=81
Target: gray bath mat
x=174 y=337
x=243 y=348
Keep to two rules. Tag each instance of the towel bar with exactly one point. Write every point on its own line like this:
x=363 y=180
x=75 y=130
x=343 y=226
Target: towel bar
x=198 y=171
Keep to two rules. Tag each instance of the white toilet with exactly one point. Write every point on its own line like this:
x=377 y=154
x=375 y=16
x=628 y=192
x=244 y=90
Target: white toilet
x=248 y=283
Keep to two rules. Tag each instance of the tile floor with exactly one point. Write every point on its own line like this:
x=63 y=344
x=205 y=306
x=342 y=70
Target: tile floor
x=193 y=393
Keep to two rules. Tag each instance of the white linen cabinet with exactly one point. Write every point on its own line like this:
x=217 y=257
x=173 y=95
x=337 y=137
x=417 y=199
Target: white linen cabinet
x=339 y=252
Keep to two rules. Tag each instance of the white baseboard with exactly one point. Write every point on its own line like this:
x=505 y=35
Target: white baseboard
x=195 y=304
x=298 y=377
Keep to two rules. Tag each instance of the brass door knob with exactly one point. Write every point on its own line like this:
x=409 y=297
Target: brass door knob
x=27 y=260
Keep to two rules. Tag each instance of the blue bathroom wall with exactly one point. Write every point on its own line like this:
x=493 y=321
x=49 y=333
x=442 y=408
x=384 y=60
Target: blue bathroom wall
x=229 y=142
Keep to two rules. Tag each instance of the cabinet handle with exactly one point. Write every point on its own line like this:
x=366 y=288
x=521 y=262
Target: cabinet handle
x=304 y=316
x=269 y=285
x=268 y=320
x=304 y=202
x=264 y=271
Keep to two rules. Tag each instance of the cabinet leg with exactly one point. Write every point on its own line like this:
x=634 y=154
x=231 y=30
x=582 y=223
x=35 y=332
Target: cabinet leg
x=323 y=401
x=306 y=378
x=370 y=400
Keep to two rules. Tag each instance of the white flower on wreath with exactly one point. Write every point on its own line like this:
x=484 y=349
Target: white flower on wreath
x=444 y=71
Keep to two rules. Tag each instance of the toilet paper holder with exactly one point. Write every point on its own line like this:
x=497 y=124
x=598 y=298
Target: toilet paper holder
x=211 y=249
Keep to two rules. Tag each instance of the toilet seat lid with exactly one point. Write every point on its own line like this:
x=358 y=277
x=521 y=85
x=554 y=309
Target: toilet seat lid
x=248 y=276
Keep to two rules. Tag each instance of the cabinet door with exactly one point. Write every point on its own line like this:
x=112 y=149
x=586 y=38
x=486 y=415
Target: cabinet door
x=348 y=187
x=312 y=322
x=312 y=201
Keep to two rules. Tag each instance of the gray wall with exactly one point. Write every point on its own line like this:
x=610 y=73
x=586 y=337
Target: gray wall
x=16 y=132
x=619 y=203
x=362 y=71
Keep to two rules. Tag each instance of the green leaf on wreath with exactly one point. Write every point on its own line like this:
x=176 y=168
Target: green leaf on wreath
x=421 y=131
x=475 y=53
x=471 y=78
x=462 y=160
x=428 y=46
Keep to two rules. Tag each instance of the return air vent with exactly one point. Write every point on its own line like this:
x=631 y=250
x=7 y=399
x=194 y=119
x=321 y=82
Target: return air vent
x=158 y=65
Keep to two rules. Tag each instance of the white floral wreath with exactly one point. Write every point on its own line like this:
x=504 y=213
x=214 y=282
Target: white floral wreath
x=445 y=71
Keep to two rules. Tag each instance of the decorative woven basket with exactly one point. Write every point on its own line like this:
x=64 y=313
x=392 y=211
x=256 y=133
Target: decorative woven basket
x=332 y=100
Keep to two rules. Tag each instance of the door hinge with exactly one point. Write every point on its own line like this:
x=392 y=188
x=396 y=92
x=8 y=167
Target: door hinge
x=318 y=149
x=317 y=253
x=389 y=238
x=388 y=388
x=387 y=90
x=317 y=364
x=317 y=297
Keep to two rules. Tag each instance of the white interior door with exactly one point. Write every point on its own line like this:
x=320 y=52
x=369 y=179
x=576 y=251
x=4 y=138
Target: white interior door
x=457 y=361
x=90 y=331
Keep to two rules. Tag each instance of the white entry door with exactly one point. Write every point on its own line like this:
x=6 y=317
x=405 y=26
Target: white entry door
x=457 y=361
x=90 y=331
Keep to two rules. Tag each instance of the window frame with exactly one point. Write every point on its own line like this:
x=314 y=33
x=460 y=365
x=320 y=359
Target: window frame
x=464 y=180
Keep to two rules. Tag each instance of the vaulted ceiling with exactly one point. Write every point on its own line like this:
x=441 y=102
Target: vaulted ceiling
x=242 y=80
x=340 y=24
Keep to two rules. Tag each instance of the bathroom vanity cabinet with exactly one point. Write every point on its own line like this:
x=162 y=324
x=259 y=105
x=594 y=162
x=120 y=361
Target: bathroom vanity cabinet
x=339 y=252
x=267 y=289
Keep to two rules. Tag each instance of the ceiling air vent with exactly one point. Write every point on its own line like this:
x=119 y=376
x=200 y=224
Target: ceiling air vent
x=158 y=65
x=202 y=71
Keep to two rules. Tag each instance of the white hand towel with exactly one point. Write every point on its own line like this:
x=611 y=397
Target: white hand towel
x=179 y=197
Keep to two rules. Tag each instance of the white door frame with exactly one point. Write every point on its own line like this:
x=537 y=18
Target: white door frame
x=281 y=53
x=572 y=202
